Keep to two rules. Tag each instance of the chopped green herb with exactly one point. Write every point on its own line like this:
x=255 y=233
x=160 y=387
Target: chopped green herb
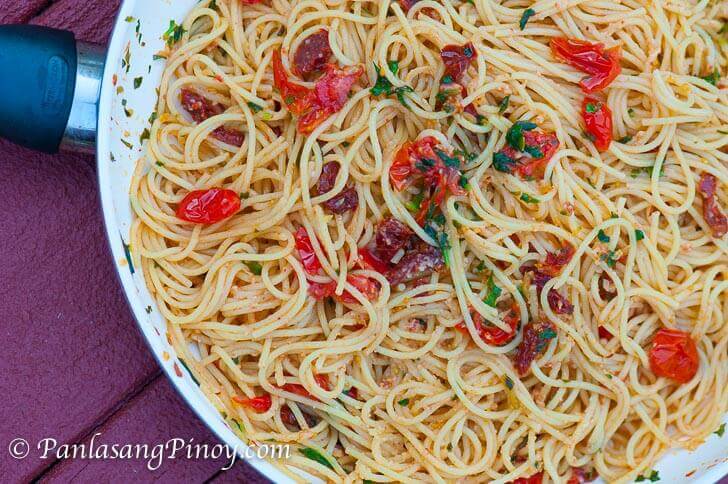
x=503 y=162
x=548 y=333
x=189 y=371
x=653 y=477
x=159 y=56
x=712 y=78
x=525 y=197
x=480 y=267
x=413 y=205
x=383 y=86
x=138 y=82
x=639 y=235
x=400 y=93
x=127 y=144
x=630 y=112
x=514 y=136
x=254 y=267
x=159 y=163
x=533 y=151
x=602 y=237
x=173 y=34
x=592 y=108
x=493 y=292
x=504 y=104
x=144 y=136
x=404 y=402
x=625 y=139
x=236 y=360
x=720 y=431
x=148 y=309
x=527 y=14
x=254 y=107
x=317 y=456
x=129 y=19
x=447 y=159
x=508 y=382
x=609 y=258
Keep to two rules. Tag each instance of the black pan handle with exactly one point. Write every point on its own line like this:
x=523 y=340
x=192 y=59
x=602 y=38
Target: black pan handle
x=49 y=88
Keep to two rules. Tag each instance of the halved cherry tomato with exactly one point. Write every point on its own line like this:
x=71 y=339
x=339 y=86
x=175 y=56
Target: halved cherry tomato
x=490 y=334
x=208 y=206
x=405 y=161
x=674 y=355
x=712 y=212
x=457 y=58
x=524 y=163
x=299 y=389
x=259 y=404
x=369 y=261
x=534 y=479
x=598 y=121
x=602 y=65
x=306 y=252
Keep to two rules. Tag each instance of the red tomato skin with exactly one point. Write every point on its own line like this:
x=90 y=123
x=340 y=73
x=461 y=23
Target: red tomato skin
x=598 y=123
x=604 y=333
x=457 y=58
x=674 y=355
x=258 y=404
x=368 y=287
x=322 y=381
x=602 y=65
x=306 y=252
x=208 y=206
x=526 y=166
x=369 y=261
x=534 y=479
x=493 y=335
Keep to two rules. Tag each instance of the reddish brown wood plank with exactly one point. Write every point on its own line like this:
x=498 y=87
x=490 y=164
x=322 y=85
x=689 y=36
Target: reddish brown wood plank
x=154 y=417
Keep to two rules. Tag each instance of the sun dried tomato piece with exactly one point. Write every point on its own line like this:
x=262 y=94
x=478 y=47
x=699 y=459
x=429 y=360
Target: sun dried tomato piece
x=536 y=336
x=230 y=136
x=259 y=404
x=347 y=200
x=555 y=261
x=457 y=58
x=602 y=65
x=530 y=163
x=208 y=206
x=674 y=355
x=415 y=265
x=712 y=211
x=201 y=108
x=312 y=54
x=391 y=237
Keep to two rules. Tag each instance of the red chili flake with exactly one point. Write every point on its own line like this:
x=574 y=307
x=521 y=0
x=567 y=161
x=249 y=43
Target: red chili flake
x=674 y=355
x=457 y=58
x=347 y=200
x=201 y=108
x=312 y=54
x=536 y=336
x=258 y=404
x=490 y=334
x=530 y=163
x=712 y=211
x=604 y=333
x=306 y=252
x=602 y=65
x=208 y=206
x=415 y=265
x=313 y=106
x=598 y=121
x=534 y=479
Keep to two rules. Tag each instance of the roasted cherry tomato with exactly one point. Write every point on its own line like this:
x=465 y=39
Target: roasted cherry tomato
x=531 y=162
x=312 y=54
x=258 y=404
x=674 y=355
x=712 y=212
x=306 y=252
x=601 y=65
x=490 y=334
x=534 y=479
x=208 y=206
x=403 y=168
x=536 y=336
x=598 y=121
x=457 y=58
x=313 y=106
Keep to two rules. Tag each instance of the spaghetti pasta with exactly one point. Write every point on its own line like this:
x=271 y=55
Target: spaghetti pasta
x=472 y=241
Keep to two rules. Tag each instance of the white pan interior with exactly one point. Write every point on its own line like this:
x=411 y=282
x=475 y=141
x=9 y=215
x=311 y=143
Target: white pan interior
x=123 y=117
